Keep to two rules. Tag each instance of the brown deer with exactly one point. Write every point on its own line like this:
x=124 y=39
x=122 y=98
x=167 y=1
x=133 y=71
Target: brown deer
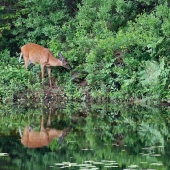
x=33 y=139
x=34 y=53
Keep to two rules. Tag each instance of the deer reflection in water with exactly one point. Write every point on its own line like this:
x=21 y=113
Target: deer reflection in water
x=33 y=139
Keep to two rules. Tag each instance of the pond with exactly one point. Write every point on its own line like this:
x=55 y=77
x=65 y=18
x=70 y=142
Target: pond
x=79 y=136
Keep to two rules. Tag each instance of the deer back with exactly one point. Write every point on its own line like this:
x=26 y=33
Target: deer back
x=32 y=139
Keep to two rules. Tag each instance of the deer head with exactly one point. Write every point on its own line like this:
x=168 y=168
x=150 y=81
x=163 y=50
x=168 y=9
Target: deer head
x=64 y=61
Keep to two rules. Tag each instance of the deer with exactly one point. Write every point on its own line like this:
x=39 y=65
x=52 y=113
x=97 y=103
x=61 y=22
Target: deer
x=34 y=139
x=34 y=53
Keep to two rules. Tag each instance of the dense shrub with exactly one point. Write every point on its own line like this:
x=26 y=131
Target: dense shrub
x=119 y=48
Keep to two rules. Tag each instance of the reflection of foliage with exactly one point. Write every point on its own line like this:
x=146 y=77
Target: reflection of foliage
x=13 y=117
x=151 y=134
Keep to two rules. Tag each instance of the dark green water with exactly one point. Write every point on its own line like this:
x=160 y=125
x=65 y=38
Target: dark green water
x=102 y=136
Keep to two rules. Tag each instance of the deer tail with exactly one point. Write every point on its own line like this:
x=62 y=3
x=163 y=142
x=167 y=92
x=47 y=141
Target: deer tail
x=20 y=57
x=20 y=132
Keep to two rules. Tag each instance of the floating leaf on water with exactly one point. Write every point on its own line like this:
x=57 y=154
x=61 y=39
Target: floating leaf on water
x=84 y=164
x=158 y=164
x=153 y=147
x=132 y=166
x=145 y=154
x=4 y=154
x=156 y=155
x=115 y=144
x=104 y=161
x=76 y=165
x=59 y=164
x=62 y=167
x=97 y=162
x=83 y=168
x=66 y=162
x=143 y=162
x=160 y=146
x=73 y=164
x=112 y=161
x=90 y=161
x=110 y=166
x=107 y=161
x=91 y=166
x=66 y=166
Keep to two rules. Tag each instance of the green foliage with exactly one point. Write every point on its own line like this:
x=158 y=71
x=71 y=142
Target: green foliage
x=43 y=22
x=7 y=14
x=14 y=78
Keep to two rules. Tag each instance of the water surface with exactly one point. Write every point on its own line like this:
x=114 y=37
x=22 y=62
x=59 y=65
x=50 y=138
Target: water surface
x=102 y=136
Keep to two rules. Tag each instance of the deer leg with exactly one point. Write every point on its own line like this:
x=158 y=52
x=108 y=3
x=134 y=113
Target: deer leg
x=49 y=119
x=49 y=75
x=42 y=124
x=27 y=62
x=42 y=73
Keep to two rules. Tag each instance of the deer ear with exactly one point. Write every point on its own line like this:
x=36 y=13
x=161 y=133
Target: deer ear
x=61 y=56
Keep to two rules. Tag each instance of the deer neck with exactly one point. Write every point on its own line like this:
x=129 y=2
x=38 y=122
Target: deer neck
x=54 y=61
